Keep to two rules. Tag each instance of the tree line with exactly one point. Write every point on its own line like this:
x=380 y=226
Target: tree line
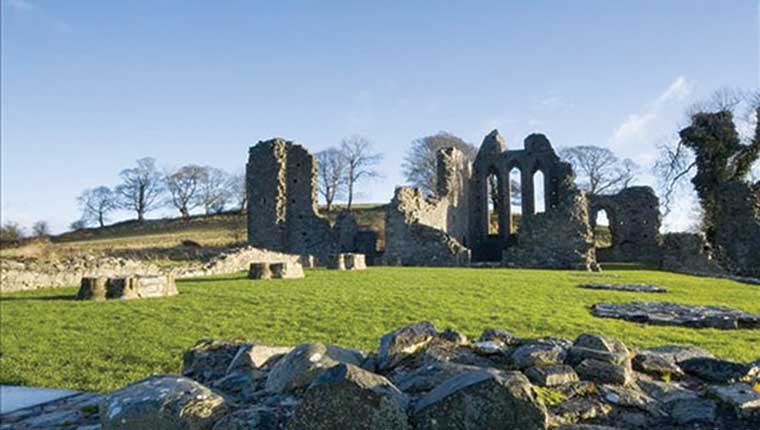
x=341 y=168
x=145 y=188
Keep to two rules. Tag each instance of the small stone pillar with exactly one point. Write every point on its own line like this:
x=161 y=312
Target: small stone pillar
x=338 y=262
x=355 y=261
x=260 y=271
x=92 y=289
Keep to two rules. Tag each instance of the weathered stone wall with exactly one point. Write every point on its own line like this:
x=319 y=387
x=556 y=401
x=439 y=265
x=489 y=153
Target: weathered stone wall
x=557 y=237
x=282 y=201
x=737 y=232
x=687 y=253
x=415 y=235
x=560 y=238
x=430 y=231
x=634 y=218
x=31 y=275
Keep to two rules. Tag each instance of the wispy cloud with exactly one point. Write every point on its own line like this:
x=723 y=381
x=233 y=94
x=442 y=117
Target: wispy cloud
x=554 y=103
x=636 y=136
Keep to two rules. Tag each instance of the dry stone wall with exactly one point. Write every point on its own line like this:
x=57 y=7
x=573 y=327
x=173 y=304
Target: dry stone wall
x=31 y=275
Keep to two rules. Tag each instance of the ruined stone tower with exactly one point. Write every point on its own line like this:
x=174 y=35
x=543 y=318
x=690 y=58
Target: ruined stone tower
x=282 y=201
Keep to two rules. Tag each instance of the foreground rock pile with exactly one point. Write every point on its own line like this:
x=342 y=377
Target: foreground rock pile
x=423 y=378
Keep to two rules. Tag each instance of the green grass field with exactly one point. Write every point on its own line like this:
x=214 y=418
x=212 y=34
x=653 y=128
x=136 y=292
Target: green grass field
x=50 y=340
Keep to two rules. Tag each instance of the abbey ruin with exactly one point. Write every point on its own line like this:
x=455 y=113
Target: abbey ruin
x=472 y=218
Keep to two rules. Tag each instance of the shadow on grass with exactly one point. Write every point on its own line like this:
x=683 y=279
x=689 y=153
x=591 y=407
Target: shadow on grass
x=627 y=266
x=51 y=298
x=235 y=277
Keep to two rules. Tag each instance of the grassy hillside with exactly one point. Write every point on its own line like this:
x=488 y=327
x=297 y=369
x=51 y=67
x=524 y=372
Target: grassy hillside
x=163 y=238
x=49 y=339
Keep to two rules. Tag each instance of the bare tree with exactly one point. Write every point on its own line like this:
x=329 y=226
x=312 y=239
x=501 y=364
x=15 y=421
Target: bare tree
x=214 y=195
x=331 y=175
x=599 y=170
x=184 y=185
x=237 y=190
x=96 y=204
x=420 y=164
x=141 y=187
x=676 y=163
x=11 y=232
x=41 y=229
x=360 y=163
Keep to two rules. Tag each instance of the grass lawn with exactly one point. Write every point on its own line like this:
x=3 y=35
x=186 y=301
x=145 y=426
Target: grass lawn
x=50 y=340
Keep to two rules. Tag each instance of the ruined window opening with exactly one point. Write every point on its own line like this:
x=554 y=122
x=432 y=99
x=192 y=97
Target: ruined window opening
x=602 y=230
x=492 y=196
x=515 y=198
x=539 y=193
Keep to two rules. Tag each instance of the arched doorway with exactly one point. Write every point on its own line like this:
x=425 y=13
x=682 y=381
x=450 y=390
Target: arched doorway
x=602 y=230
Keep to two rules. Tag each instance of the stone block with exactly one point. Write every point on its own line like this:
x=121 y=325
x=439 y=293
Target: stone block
x=276 y=270
x=348 y=397
x=127 y=288
x=162 y=402
x=482 y=399
x=355 y=261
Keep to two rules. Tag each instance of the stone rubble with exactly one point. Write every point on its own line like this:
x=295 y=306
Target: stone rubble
x=423 y=378
x=635 y=288
x=665 y=313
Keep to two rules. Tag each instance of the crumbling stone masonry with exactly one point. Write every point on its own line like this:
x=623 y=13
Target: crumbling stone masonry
x=634 y=217
x=688 y=253
x=452 y=227
x=737 y=232
x=431 y=231
x=282 y=204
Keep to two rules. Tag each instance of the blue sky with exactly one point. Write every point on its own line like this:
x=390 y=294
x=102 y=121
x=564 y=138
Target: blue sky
x=90 y=86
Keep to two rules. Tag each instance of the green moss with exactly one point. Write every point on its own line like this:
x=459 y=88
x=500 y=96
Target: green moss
x=47 y=339
x=549 y=396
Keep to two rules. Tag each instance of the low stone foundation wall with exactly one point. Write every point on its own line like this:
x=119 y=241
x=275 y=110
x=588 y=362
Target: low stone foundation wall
x=31 y=275
x=127 y=288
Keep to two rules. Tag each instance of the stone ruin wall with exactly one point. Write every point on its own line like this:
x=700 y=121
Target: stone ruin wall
x=282 y=202
x=32 y=275
x=634 y=222
x=737 y=232
x=558 y=237
x=451 y=228
x=430 y=230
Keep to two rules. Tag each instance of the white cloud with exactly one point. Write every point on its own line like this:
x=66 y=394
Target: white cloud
x=637 y=135
x=678 y=90
x=554 y=103
x=640 y=132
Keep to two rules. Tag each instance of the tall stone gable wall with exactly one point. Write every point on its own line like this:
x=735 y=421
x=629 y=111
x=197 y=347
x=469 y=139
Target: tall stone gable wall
x=430 y=231
x=559 y=237
x=282 y=201
x=634 y=217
